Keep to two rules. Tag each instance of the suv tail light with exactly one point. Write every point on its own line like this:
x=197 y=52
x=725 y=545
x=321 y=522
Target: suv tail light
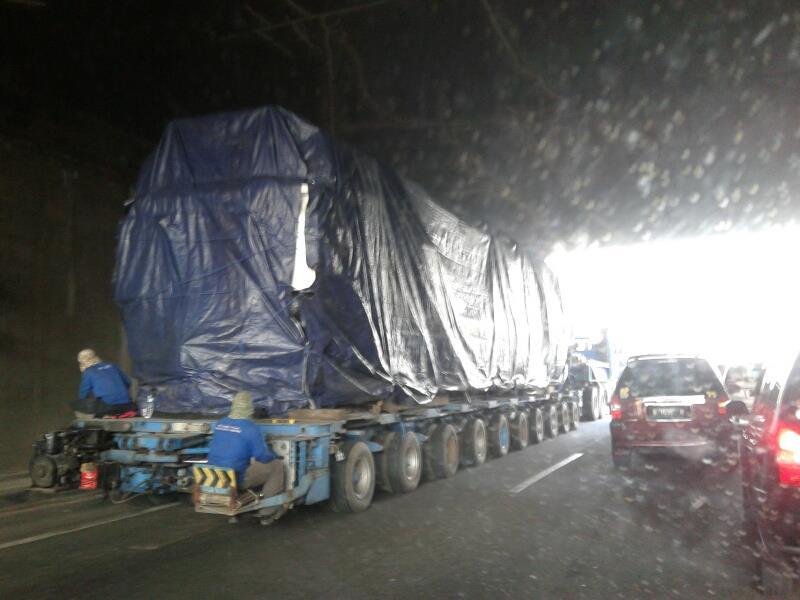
x=722 y=401
x=616 y=408
x=788 y=456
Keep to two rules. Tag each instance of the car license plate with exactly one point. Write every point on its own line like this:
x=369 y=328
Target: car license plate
x=668 y=412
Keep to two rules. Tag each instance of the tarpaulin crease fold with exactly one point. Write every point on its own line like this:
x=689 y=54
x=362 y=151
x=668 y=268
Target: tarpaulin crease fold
x=407 y=300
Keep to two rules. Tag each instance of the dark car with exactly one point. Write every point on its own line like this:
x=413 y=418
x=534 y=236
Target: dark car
x=669 y=403
x=770 y=459
x=740 y=383
x=591 y=382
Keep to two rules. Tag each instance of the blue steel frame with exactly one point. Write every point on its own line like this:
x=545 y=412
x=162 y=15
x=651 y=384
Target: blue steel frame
x=156 y=455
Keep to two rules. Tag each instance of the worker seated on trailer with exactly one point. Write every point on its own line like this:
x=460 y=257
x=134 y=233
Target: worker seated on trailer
x=104 y=389
x=238 y=444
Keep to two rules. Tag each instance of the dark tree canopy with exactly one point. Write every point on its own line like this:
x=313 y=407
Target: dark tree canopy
x=553 y=121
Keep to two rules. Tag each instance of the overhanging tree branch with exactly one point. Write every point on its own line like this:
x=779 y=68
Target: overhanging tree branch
x=337 y=12
x=516 y=59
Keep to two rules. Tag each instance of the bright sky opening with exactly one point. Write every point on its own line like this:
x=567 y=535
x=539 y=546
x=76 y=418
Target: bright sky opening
x=731 y=297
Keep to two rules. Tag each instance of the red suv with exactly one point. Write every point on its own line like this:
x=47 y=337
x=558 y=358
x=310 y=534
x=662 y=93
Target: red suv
x=770 y=459
x=669 y=403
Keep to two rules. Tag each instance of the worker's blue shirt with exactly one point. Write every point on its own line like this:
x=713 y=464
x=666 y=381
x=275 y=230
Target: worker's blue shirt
x=107 y=382
x=234 y=443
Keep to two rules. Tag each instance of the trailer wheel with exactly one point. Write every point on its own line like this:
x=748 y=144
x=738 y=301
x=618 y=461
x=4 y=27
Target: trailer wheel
x=563 y=417
x=520 y=432
x=441 y=452
x=591 y=403
x=551 y=422
x=403 y=462
x=537 y=425
x=499 y=436
x=473 y=443
x=574 y=416
x=353 y=479
x=44 y=472
x=382 y=462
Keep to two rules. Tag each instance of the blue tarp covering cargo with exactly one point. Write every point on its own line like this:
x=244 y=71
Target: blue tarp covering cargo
x=259 y=254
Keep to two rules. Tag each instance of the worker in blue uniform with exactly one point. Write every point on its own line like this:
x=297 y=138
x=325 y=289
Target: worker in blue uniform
x=104 y=389
x=238 y=444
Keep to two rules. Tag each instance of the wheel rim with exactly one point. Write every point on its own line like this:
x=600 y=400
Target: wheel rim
x=553 y=418
x=362 y=478
x=411 y=462
x=503 y=435
x=539 y=424
x=480 y=441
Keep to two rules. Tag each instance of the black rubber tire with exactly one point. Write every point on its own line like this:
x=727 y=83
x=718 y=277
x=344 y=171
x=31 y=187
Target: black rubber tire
x=346 y=494
x=382 y=463
x=776 y=578
x=403 y=460
x=520 y=431
x=427 y=467
x=574 y=416
x=474 y=443
x=591 y=403
x=43 y=471
x=537 y=425
x=499 y=436
x=442 y=452
x=551 y=421
x=563 y=417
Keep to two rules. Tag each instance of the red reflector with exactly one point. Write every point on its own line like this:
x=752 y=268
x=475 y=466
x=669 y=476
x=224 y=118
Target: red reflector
x=788 y=457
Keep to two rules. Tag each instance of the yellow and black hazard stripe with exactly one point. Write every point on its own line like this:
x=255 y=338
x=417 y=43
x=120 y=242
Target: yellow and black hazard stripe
x=214 y=477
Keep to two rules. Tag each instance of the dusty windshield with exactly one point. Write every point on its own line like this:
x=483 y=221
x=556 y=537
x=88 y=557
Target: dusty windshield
x=361 y=298
x=669 y=377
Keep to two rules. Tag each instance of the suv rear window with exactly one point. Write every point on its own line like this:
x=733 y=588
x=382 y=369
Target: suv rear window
x=669 y=377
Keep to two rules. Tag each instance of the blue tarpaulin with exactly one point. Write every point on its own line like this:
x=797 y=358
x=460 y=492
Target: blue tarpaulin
x=407 y=301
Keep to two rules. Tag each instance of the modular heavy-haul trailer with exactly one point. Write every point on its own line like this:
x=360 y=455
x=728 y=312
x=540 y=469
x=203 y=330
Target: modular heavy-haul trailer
x=381 y=338
x=337 y=455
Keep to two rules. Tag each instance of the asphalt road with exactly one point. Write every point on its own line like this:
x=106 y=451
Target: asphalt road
x=665 y=529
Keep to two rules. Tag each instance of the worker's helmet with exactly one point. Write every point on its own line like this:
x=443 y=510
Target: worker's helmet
x=241 y=406
x=87 y=358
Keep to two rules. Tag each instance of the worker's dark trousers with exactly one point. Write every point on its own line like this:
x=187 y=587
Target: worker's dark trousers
x=270 y=475
x=98 y=408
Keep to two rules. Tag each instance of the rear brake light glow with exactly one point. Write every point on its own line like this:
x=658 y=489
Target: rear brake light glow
x=788 y=456
x=788 y=446
x=722 y=401
x=616 y=408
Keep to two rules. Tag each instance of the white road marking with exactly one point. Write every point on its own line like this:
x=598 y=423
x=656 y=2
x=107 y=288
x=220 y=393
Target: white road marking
x=542 y=474
x=50 y=534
